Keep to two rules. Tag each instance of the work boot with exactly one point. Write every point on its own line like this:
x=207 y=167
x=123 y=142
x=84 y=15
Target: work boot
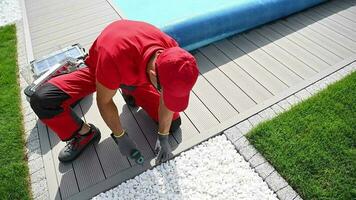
x=78 y=143
x=129 y=100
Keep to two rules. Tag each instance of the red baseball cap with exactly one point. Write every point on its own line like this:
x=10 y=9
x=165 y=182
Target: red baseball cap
x=177 y=72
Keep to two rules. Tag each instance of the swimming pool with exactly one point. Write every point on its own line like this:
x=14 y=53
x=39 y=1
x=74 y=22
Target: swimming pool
x=199 y=22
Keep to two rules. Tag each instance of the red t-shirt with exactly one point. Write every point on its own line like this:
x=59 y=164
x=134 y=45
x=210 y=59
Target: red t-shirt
x=120 y=54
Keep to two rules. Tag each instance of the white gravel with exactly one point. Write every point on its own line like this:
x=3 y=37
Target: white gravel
x=212 y=170
x=9 y=11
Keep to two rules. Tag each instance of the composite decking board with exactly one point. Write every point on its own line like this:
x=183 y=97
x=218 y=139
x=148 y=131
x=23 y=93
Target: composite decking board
x=71 y=21
x=303 y=41
x=280 y=54
x=272 y=83
x=52 y=12
x=50 y=170
x=349 y=2
x=45 y=4
x=66 y=176
x=336 y=18
x=88 y=169
x=78 y=31
x=348 y=6
x=287 y=75
x=86 y=41
x=61 y=6
x=199 y=115
x=87 y=166
x=149 y=127
x=309 y=59
x=63 y=28
x=340 y=11
x=187 y=129
x=213 y=100
x=332 y=23
x=51 y=17
x=107 y=150
x=318 y=38
x=130 y=125
x=238 y=99
x=224 y=59
x=331 y=34
x=65 y=173
x=70 y=36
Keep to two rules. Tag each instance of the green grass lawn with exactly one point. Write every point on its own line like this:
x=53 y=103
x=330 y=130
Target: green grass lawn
x=14 y=181
x=313 y=145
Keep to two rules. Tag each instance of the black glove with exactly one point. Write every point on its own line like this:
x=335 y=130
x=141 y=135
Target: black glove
x=163 y=149
x=125 y=143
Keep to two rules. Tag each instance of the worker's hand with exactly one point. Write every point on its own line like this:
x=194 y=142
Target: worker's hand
x=125 y=143
x=163 y=149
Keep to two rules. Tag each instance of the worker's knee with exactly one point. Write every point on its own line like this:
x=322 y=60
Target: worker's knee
x=46 y=101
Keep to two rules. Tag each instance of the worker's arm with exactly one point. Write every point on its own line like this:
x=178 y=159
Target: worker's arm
x=107 y=108
x=163 y=148
x=109 y=113
x=165 y=117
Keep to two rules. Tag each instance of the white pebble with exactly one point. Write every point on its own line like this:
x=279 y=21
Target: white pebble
x=211 y=170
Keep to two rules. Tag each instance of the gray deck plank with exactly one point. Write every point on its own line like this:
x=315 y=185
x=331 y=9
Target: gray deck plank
x=265 y=77
x=349 y=6
x=69 y=37
x=336 y=18
x=218 y=105
x=80 y=31
x=303 y=41
x=46 y=4
x=332 y=6
x=65 y=174
x=188 y=129
x=62 y=28
x=50 y=13
x=224 y=58
x=287 y=75
x=309 y=59
x=149 y=127
x=50 y=17
x=332 y=35
x=71 y=21
x=87 y=167
x=130 y=124
x=200 y=116
x=318 y=38
x=280 y=54
x=86 y=41
x=48 y=161
x=349 y=34
x=110 y=157
x=349 y=2
x=238 y=99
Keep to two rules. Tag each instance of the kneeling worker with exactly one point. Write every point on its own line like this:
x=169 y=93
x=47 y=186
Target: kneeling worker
x=149 y=67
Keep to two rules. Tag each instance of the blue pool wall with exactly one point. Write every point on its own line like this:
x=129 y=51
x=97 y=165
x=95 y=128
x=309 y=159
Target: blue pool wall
x=210 y=27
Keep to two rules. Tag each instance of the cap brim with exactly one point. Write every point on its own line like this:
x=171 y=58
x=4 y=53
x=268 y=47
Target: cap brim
x=174 y=103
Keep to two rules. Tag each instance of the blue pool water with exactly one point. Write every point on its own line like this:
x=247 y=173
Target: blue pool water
x=195 y=23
